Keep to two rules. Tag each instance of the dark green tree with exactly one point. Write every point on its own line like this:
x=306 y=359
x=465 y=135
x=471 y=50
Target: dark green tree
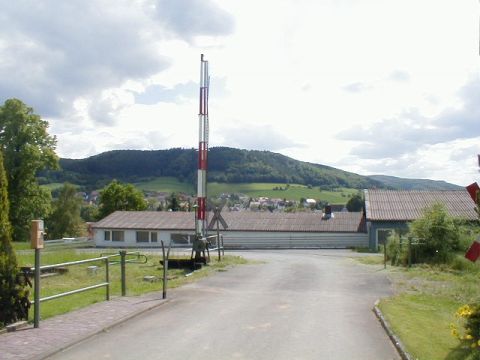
x=117 y=196
x=27 y=149
x=173 y=202
x=65 y=219
x=355 y=203
x=12 y=294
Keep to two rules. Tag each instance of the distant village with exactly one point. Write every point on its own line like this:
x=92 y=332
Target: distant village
x=160 y=201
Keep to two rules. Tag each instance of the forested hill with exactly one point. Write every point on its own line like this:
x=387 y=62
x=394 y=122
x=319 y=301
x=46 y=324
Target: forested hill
x=225 y=165
x=414 y=184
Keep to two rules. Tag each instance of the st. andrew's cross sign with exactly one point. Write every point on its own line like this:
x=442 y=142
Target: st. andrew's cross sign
x=216 y=219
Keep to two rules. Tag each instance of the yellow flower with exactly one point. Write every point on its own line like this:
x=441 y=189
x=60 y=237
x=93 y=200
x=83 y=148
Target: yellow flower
x=473 y=346
x=478 y=342
x=468 y=337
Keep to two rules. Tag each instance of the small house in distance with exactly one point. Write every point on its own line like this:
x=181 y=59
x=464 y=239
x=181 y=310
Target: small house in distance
x=387 y=210
x=246 y=230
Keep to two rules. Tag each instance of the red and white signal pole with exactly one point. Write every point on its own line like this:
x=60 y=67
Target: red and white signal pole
x=201 y=224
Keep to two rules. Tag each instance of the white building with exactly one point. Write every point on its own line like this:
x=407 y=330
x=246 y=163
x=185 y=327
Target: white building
x=245 y=230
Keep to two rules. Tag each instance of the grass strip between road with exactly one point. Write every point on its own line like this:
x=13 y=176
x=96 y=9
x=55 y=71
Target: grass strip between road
x=424 y=304
x=79 y=276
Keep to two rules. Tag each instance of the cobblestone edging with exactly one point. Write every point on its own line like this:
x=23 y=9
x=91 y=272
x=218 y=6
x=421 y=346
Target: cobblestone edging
x=120 y=321
x=63 y=331
x=395 y=340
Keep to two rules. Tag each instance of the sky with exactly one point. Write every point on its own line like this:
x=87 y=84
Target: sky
x=370 y=86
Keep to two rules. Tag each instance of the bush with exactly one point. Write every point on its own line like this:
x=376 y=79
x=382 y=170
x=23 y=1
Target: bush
x=397 y=250
x=459 y=263
x=468 y=318
x=13 y=294
x=438 y=234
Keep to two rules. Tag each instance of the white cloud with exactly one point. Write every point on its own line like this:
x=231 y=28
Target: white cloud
x=393 y=78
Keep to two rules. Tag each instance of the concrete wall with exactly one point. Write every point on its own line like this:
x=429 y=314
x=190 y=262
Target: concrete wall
x=251 y=239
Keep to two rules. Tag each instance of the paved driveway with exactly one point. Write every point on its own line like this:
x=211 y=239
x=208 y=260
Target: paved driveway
x=298 y=304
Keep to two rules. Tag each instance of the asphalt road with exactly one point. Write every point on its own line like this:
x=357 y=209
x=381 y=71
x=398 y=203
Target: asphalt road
x=302 y=304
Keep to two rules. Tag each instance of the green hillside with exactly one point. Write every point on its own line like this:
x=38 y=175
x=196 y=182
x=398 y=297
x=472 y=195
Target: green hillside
x=414 y=184
x=226 y=165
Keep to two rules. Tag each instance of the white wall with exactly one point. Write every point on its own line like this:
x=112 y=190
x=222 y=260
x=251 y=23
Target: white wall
x=253 y=239
x=130 y=239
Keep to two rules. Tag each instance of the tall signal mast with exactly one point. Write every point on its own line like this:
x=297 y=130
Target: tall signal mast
x=201 y=218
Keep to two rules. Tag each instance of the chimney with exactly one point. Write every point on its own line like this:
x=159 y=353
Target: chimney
x=328 y=213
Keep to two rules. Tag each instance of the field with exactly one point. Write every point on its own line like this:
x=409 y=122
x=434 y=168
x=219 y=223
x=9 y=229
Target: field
x=53 y=186
x=293 y=192
x=424 y=305
x=166 y=184
x=78 y=276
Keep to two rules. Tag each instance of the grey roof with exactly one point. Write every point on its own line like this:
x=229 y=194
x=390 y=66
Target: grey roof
x=236 y=220
x=406 y=205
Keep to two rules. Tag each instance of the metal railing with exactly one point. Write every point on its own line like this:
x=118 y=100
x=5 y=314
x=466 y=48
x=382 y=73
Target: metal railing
x=106 y=258
x=69 y=243
x=37 y=269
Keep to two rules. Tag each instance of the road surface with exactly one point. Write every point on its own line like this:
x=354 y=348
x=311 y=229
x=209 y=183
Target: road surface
x=297 y=304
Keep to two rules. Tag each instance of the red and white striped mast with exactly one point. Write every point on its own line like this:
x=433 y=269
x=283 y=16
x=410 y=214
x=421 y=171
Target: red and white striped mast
x=201 y=224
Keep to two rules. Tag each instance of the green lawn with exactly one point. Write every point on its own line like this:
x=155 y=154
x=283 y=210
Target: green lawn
x=78 y=276
x=424 y=305
x=293 y=192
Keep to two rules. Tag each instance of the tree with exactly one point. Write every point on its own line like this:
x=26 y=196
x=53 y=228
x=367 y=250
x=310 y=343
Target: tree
x=89 y=213
x=12 y=294
x=117 y=196
x=173 y=202
x=27 y=149
x=355 y=203
x=438 y=233
x=65 y=219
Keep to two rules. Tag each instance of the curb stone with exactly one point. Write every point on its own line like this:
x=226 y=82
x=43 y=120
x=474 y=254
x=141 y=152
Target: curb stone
x=118 y=322
x=395 y=340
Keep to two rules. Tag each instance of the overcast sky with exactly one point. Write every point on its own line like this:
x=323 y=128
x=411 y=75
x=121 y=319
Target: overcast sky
x=370 y=86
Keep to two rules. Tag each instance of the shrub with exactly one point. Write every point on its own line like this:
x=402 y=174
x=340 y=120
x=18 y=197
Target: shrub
x=13 y=295
x=397 y=249
x=461 y=264
x=467 y=328
x=438 y=233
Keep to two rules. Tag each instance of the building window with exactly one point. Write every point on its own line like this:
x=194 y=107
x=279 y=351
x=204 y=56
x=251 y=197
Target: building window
x=180 y=238
x=118 y=235
x=107 y=235
x=142 y=236
x=153 y=237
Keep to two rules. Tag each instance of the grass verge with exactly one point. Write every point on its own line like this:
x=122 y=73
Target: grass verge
x=423 y=307
x=79 y=276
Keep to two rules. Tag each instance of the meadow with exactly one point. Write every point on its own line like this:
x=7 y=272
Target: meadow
x=292 y=192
